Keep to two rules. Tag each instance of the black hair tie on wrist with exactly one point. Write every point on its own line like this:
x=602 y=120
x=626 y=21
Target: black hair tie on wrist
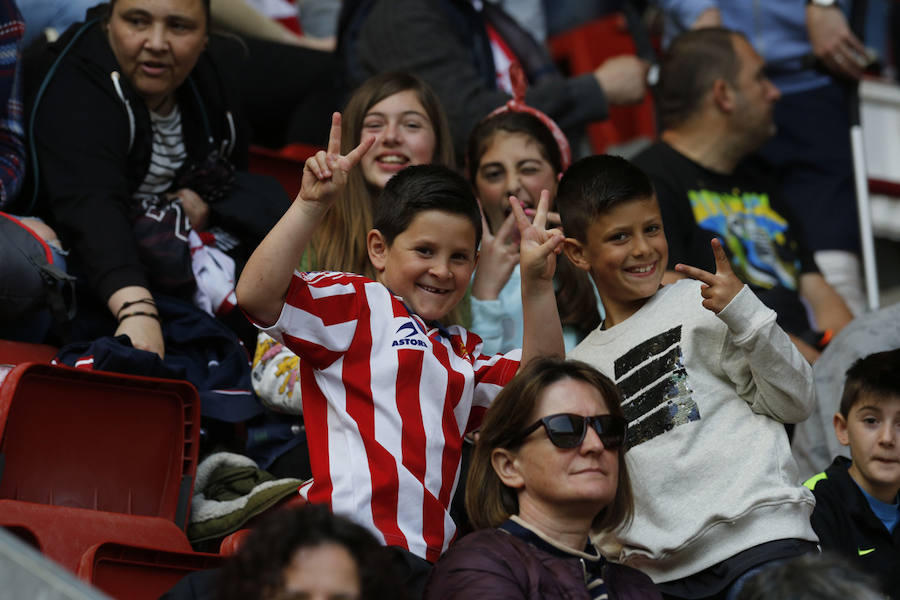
x=125 y=305
x=140 y=313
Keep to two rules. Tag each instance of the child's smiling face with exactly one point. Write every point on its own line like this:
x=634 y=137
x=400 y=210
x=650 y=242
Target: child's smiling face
x=404 y=136
x=429 y=264
x=626 y=253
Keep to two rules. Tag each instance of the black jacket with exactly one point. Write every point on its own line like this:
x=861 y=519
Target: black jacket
x=513 y=562
x=846 y=524
x=445 y=42
x=92 y=144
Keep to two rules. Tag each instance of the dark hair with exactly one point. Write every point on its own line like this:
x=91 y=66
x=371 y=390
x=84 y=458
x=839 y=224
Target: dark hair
x=692 y=63
x=874 y=375
x=420 y=188
x=511 y=122
x=594 y=185
x=489 y=501
x=256 y=571
x=206 y=9
x=813 y=576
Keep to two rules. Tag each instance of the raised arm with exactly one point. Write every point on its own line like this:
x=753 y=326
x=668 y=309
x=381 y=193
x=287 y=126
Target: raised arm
x=267 y=275
x=497 y=258
x=537 y=264
x=767 y=369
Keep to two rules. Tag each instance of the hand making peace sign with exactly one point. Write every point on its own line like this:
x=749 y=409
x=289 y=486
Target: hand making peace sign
x=539 y=245
x=325 y=173
x=720 y=288
x=497 y=257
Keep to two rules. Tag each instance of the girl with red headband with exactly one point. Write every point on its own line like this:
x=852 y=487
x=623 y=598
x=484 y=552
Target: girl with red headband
x=518 y=151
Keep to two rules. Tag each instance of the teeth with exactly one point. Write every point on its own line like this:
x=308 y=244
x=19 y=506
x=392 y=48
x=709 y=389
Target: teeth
x=646 y=269
x=432 y=289
x=392 y=159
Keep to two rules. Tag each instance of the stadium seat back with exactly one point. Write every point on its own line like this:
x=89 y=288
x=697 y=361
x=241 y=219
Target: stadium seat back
x=583 y=49
x=14 y=353
x=101 y=441
x=139 y=572
x=64 y=534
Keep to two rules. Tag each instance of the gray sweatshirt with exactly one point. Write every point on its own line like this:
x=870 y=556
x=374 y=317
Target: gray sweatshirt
x=706 y=397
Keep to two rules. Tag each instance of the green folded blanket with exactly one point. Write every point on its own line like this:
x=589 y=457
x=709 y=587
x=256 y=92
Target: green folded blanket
x=229 y=490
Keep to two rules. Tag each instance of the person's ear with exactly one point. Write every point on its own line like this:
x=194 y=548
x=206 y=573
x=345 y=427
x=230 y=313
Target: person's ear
x=378 y=249
x=840 y=429
x=506 y=468
x=576 y=253
x=723 y=95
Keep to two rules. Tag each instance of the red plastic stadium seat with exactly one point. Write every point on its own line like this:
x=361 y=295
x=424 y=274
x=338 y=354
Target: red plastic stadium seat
x=140 y=572
x=582 y=50
x=97 y=440
x=232 y=542
x=64 y=534
x=284 y=164
x=14 y=353
x=92 y=457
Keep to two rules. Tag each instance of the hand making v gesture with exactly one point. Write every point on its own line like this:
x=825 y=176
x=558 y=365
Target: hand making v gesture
x=325 y=173
x=720 y=288
x=266 y=276
x=537 y=259
x=538 y=246
x=497 y=257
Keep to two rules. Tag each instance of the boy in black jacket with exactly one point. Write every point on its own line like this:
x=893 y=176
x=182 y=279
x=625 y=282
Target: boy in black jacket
x=856 y=510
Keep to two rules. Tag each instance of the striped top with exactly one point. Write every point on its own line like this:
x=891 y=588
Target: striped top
x=387 y=400
x=167 y=155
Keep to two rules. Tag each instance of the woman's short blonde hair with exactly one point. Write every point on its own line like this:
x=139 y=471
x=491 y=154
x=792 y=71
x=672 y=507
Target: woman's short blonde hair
x=489 y=501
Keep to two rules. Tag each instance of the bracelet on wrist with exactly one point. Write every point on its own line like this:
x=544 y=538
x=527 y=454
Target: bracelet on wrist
x=140 y=313
x=125 y=305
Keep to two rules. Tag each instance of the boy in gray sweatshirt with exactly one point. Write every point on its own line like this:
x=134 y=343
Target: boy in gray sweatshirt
x=708 y=379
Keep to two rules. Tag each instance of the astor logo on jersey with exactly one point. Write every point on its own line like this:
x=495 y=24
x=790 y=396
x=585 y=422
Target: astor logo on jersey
x=410 y=326
x=406 y=337
x=653 y=382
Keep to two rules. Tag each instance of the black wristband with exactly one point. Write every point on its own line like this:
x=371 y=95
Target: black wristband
x=140 y=313
x=125 y=305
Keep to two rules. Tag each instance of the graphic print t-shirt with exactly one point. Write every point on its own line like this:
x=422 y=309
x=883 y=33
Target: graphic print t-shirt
x=744 y=211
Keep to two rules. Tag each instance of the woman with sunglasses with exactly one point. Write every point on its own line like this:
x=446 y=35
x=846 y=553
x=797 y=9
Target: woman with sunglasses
x=548 y=469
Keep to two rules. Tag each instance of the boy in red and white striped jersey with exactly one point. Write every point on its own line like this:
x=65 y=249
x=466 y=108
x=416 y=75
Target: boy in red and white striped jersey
x=388 y=392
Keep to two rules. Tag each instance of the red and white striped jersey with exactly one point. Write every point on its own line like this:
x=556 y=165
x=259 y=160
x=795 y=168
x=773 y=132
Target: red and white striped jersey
x=387 y=400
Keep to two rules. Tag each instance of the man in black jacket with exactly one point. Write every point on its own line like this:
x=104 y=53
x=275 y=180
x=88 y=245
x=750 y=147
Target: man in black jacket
x=462 y=49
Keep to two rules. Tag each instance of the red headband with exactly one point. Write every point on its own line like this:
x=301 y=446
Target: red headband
x=517 y=104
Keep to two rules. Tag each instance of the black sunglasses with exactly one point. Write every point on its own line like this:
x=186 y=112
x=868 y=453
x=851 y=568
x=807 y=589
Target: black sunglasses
x=566 y=430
